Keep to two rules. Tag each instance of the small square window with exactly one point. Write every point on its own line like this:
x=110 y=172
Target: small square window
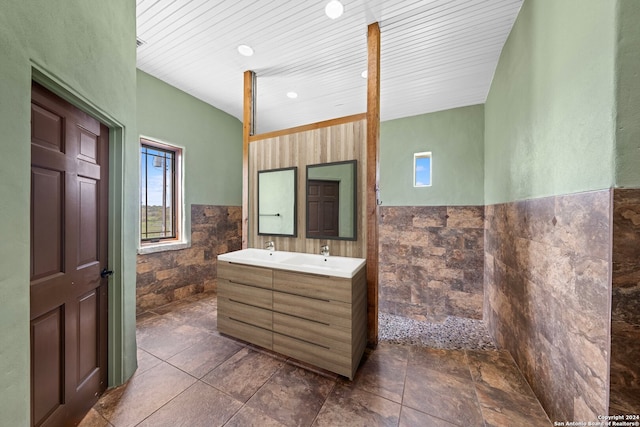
x=422 y=169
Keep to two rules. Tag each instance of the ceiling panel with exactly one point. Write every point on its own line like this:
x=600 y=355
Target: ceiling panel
x=435 y=54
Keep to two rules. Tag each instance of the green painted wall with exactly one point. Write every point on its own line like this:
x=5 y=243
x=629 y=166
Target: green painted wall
x=86 y=49
x=550 y=112
x=628 y=95
x=211 y=138
x=455 y=138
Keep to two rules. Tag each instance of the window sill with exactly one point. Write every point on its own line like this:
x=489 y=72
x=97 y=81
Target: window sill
x=161 y=247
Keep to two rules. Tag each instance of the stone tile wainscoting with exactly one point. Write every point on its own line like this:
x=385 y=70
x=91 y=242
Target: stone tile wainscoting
x=431 y=261
x=625 y=304
x=166 y=276
x=547 y=297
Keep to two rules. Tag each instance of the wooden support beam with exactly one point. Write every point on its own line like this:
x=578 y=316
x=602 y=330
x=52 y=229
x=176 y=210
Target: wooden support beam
x=373 y=149
x=248 y=116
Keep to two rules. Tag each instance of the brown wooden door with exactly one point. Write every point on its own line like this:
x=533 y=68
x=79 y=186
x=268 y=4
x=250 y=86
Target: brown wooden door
x=323 y=208
x=69 y=204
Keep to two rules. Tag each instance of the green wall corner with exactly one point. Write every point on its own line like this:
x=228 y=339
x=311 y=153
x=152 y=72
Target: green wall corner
x=550 y=112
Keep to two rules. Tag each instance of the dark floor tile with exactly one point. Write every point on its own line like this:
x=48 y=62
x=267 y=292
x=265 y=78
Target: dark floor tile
x=146 y=361
x=145 y=393
x=503 y=409
x=243 y=373
x=205 y=355
x=452 y=362
x=207 y=321
x=250 y=417
x=199 y=406
x=201 y=313
x=411 y=418
x=164 y=337
x=94 y=419
x=292 y=396
x=382 y=371
x=347 y=406
x=437 y=388
x=439 y=384
x=497 y=369
x=192 y=311
x=145 y=315
x=443 y=395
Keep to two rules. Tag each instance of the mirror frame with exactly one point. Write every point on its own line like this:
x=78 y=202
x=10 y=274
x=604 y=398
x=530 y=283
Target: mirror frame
x=354 y=163
x=295 y=202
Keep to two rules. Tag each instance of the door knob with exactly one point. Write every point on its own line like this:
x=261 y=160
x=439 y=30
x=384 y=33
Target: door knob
x=106 y=273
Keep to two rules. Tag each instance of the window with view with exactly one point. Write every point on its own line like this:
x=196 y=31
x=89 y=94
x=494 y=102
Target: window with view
x=422 y=169
x=159 y=192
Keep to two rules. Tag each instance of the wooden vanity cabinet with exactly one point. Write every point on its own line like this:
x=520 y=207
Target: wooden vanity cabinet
x=245 y=303
x=317 y=319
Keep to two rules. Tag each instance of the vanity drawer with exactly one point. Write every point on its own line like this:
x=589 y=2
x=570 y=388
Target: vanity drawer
x=245 y=313
x=246 y=332
x=314 y=354
x=331 y=313
x=245 y=274
x=322 y=287
x=250 y=295
x=336 y=339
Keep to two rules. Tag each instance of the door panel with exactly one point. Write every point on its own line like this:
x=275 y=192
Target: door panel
x=69 y=203
x=46 y=223
x=46 y=128
x=88 y=332
x=88 y=216
x=47 y=367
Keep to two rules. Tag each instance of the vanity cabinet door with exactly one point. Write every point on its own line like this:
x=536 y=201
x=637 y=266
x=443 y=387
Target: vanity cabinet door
x=250 y=295
x=246 y=274
x=246 y=332
x=314 y=354
x=313 y=286
x=245 y=301
x=330 y=313
x=336 y=339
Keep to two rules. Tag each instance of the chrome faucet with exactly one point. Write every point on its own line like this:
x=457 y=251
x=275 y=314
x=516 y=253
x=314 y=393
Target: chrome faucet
x=270 y=246
x=324 y=250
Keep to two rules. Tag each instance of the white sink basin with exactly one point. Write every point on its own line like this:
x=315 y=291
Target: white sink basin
x=295 y=261
x=257 y=254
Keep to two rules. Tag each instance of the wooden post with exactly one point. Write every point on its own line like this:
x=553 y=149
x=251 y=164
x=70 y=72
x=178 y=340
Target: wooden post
x=373 y=148
x=247 y=130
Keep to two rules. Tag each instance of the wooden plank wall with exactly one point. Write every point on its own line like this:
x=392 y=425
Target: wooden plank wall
x=329 y=142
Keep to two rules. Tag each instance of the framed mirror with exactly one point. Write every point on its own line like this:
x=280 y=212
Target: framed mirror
x=277 y=200
x=331 y=201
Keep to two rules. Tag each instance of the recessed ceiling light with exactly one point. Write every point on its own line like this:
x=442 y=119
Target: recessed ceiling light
x=364 y=74
x=245 y=50
x=292 y=95
x=334 y=9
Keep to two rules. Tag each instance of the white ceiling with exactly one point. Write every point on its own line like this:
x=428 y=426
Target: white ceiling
x=435 y=54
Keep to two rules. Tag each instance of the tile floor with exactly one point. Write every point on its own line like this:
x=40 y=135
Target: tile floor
x=190 y=375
